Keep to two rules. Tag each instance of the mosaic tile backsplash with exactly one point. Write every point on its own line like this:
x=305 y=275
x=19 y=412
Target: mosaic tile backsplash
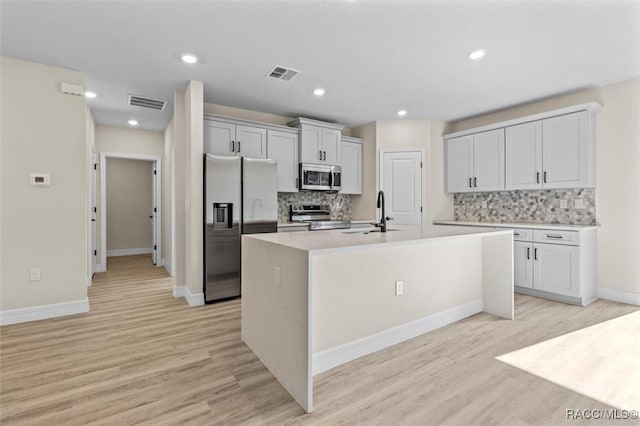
x=527 y=206
x=340 y=203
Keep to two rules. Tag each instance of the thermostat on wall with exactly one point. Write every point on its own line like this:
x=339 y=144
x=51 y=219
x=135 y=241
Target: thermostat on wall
x=40 y=179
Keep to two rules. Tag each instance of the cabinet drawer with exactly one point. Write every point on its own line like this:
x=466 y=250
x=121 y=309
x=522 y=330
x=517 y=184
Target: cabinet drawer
x=557 y=237
x=521 y=234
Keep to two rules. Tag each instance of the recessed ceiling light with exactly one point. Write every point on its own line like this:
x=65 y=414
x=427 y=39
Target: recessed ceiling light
x=477 y=54
x=133 y=122
x=90 y=95
x=190 y=59
x=319 y=91
x=402 y=112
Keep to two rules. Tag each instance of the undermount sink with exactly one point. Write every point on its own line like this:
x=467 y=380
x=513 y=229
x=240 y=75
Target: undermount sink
x=365 y=230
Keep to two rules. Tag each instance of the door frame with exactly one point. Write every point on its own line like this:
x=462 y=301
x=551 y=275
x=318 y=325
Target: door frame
x=93 y=215
x=382 y=151
x=103 y=201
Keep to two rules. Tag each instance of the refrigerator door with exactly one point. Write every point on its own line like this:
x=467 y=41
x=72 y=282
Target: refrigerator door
x=222 y=185
x=259 y=196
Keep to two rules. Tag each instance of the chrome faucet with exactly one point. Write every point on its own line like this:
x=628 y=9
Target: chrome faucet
x=383 y=219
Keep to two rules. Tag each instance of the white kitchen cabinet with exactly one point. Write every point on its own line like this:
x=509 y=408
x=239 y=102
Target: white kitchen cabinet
x=567 y=154
x=283 y=147
x=351 y=162
x=523 y=156
x=523 y=264
x=555 y=149
x=556 y=268
x=319 y=141
x=475 y=162
x=224 y=138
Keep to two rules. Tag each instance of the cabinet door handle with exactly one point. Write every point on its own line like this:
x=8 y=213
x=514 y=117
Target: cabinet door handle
x=470 y=183
x=325 y=155
x=475 y=182
x=233 y=146
x=296 y=183
x=535 y=254
x=544 y=178
x=320 y=155
x=537 y=177
x=517 y=234
x=238 y=146
x=528 y=253
x=556 y=236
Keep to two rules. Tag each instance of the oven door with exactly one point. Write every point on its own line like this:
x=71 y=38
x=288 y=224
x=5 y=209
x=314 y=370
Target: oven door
x=314 y=177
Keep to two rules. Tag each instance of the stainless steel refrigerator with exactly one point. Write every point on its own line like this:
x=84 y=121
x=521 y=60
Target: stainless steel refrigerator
x=240 y=197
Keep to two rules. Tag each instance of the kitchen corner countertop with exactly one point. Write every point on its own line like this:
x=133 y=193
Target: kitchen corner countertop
x=525 y=225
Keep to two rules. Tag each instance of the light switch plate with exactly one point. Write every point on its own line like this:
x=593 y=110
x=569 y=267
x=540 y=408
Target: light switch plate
x=399 y=288
x=34 y=274
x=276 y=276
x=579 y=203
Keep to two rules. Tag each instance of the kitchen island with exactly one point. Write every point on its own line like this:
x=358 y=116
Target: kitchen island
x=314 y=300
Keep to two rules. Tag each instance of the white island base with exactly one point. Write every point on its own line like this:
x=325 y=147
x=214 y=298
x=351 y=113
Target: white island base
x=314 y=300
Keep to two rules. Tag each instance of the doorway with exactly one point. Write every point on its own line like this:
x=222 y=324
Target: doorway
x=401 y=179
x=130 y=206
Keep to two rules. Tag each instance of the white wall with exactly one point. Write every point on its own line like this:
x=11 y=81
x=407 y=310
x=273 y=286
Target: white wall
x=124 y=140
x=421 y=133
x=363 y=207
x=129 y=204
x=617 y=175
x=43 y=131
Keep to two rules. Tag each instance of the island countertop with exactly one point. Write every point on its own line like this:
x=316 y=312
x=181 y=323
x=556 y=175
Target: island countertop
x=523 y=225
x=339 y=239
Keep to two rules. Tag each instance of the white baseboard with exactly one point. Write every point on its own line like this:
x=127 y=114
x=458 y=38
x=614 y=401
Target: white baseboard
x=34 y=313
x=129 y=252
x=178 y=291
x=167 y=266
x=619 y=296
x=330 y=358
x=100 y=268
x=193 y=299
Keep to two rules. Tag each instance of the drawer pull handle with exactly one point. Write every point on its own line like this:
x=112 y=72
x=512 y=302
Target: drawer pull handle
x=516 y=234
x=554 y=236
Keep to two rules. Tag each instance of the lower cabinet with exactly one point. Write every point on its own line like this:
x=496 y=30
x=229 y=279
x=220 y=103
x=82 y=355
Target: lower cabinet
x=563 y=267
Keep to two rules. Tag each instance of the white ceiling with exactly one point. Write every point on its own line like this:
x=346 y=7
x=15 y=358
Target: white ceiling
x=373 y=57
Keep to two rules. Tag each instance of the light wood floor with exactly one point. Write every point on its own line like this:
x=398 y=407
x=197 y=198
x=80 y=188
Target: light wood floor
x=141 y=356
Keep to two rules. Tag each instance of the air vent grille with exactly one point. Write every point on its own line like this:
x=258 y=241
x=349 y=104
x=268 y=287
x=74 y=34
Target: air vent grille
x=282 y=73
x=149 y=103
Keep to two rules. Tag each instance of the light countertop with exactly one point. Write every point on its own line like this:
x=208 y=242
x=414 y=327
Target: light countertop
x=304 y=224
x=520 y=225
x=334 y=240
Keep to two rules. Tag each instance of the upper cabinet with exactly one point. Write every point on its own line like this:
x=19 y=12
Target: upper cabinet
x=282 y=146
x=556 y=152
x=550 y=150
x=475 y=162
x=225 y=138
x=319 y=141
x=351 y=162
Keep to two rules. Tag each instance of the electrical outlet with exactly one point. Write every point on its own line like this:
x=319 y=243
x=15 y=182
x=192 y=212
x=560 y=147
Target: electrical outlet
x=34 y=274
x=484 y=204
x=276 y=276
x=563 y=204
x=579 y=203
x=399 y=288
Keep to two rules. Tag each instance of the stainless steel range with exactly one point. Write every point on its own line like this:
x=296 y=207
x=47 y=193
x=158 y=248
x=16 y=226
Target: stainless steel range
x=317 y=216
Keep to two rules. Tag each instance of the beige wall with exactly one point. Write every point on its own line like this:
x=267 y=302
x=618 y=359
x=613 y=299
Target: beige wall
x=194 y=127
x=421 y=133
x=43 y=131
x=129 y=204
x=364 y=206
x=179 y=183
x=124 y=140
x=617 y=174
x=167 y=198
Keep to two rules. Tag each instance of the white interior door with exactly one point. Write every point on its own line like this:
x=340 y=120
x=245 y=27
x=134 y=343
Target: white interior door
x=401 y=181
x=154 y=213
x=94 y=213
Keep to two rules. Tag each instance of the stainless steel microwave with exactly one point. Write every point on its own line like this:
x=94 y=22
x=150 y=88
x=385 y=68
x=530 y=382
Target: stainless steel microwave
x=320 y=177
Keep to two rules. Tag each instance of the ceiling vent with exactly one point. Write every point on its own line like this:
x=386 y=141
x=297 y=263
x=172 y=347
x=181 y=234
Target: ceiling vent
x=282 y=73
x=150 y=103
